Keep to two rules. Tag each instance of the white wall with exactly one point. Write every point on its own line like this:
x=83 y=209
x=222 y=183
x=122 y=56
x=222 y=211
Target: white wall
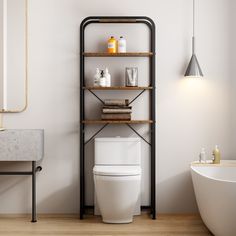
x=190 y=113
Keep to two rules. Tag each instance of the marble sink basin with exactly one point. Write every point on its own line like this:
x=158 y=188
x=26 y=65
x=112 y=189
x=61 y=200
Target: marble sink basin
x=21 y=145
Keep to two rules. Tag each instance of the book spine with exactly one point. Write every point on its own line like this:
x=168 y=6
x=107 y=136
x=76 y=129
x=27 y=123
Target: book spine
x=116 y=111
x=116 y=116
x=116 y=102
x=117 y=107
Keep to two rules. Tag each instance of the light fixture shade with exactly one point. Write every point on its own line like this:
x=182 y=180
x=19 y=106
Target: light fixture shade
x=194 y=69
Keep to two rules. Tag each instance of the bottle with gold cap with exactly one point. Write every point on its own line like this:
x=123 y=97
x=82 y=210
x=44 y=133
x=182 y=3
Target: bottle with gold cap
x=112 y=45
x=216 y=155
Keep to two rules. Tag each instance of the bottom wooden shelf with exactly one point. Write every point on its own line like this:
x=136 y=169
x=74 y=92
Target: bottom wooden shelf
x=117 y=121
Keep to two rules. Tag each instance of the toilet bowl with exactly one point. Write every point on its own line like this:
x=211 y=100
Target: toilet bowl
x=117 y=192
x=117 y=178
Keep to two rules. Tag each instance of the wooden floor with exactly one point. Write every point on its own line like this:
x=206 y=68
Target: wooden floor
x=66 y=225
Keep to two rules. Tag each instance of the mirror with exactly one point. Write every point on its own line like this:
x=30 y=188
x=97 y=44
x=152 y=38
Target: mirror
x=13 y=56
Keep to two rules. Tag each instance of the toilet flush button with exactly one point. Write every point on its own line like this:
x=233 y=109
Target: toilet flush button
x=117 y=136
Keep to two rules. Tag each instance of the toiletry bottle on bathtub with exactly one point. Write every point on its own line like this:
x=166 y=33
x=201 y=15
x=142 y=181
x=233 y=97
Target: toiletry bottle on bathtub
x=202 y=156
x=216 y=155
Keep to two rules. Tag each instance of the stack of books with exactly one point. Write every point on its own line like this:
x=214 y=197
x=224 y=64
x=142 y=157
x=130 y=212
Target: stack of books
x=116 y=109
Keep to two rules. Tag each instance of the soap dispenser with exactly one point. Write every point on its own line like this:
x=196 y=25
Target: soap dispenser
x=102 y=81
x=216 y=155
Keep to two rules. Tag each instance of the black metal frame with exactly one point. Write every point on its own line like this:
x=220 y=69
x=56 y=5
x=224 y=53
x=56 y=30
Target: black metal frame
x=33 y=173
x=119 y=19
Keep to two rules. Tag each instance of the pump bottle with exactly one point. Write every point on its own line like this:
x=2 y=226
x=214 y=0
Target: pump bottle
x=216 y=155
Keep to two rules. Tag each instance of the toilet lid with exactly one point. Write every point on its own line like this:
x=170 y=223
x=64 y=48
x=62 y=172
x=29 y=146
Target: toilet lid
x=117 y=170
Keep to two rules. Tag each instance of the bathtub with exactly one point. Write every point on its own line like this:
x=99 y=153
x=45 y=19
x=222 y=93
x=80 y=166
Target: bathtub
x=215 y=191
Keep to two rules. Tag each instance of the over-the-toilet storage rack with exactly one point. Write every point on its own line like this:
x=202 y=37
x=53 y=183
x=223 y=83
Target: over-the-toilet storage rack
x=151 y=89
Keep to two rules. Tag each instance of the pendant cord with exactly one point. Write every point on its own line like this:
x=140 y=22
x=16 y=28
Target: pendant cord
x=193 y=40
x=193 y=18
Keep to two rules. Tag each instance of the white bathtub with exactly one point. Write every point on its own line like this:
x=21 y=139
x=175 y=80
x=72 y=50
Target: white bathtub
x=215 y=191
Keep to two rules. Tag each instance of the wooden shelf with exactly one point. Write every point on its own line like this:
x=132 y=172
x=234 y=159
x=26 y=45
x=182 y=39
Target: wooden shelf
x=117 y=121
x=117 y=88
x=124 y=54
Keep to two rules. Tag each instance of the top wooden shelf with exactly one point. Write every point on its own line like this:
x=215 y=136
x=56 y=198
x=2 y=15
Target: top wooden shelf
x=124 y=54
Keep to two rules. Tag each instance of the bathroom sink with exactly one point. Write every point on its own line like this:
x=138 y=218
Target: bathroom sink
x=21 y=145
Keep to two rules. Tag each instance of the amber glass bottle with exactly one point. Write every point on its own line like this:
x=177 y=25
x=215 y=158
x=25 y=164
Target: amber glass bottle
x=112 y=45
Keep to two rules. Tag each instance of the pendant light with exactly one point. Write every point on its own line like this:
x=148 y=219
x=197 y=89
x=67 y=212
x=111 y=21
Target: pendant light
x=193 y=69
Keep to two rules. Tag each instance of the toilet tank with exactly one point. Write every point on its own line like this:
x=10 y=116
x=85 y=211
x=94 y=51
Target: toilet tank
x=117 y=151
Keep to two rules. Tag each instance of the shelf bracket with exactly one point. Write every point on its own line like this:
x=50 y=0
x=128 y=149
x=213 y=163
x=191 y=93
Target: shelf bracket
x=94 y=94
x=93 y=136
x=136 y=132
x=137 y=96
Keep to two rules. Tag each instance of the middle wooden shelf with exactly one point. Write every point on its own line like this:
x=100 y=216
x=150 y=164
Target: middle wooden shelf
x=117 y=88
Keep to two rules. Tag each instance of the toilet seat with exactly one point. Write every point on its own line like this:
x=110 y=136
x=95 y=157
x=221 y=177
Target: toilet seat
x=116 y=170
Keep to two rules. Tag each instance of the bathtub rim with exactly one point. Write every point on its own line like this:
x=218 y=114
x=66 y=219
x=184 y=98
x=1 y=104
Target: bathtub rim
x=224 y=163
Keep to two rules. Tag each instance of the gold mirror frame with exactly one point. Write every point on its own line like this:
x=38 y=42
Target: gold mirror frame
x=26 y=67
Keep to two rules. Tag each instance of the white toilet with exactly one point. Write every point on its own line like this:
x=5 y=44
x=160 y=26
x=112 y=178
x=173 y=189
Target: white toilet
x=117 y=178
